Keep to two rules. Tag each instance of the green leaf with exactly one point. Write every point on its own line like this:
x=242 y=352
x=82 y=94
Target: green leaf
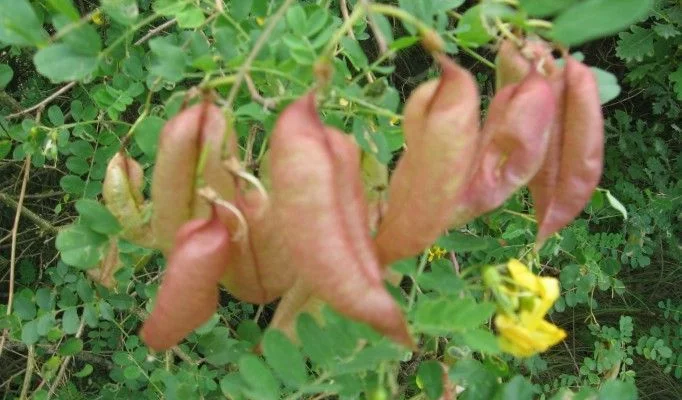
x=190 y=18
x=78 y=166
x=666 y=31
x=518 y=388
x=618 y=390
x=170 y=60
x=635 y=45
x=70 y=321
x=71 y=346
x=82 y=38
x=147 y=134
x=430 y=378
x=460 y=242
x=65 y=7
x=481 y=340
x=29 y=333
x=592 y=19
x=24 y=308
x=608 y=85
x=6 y=75
x=131 y=372
x=284 y=358
x=19 y=24
x=296 y=19
x=241 y=9
x=314 y=340
x=471 y=31
x=369 y=358
x=352 y=49
x=443 y=316
x=124 y=12
x=262 y=384
x=232 y=385
x=60 y=63
x=676 y=79
x=97 y=217
x=80 y=246
x=72 y=184
x=55 y=115
x=445 y=5
x=544 y=8
x=85 y=371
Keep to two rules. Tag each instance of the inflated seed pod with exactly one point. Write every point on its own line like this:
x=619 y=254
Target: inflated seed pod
x=104 y=273
x=573 y=166
x=320 y=201
x=513 y=63
x=441 y=128
x=513 y=146
x=188 y=294
x=296 y=301
x=122 y=193
x=260 y=266
x=198 y=133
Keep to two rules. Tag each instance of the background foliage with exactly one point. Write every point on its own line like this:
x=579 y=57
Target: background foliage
x=121 y=68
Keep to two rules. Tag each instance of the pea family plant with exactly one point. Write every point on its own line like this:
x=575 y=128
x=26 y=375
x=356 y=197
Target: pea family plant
x=254 y=206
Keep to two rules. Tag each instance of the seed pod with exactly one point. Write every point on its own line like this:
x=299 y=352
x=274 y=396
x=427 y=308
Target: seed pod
x=197 y=133
x=296 y=301
x=188 y=294
x=574 y=162
x=260 y=266
x=321 y=203
x=104 y=273
x=512 y=148
x=122 y=193
x=441 y=131
x=512 y=63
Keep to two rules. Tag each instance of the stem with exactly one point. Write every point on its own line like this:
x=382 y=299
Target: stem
x=254 y=52
x=420 y=270
x=37 y=219
x=13 y=250
x=346 y=27
x=400 y=14
x=522 y=215
x=539 y=23
x=30 y=364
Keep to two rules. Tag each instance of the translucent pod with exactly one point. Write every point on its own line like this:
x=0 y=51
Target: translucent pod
x=188 y=294
x=318 y=195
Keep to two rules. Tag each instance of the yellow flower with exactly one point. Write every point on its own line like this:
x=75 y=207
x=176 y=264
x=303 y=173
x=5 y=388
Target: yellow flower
x=394 y=121
x=260 y=21
x=436 y=252
x=524 y=335
x=343 y=102
x=98 y=18
x=523 y=304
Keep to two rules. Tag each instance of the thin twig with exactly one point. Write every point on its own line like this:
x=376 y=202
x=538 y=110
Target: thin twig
x=262 y=39
x=267 y=102
x=44 y=102
x=13 y=251
x=378 y=36
x=30 y=363
x=35 y=218
x=154 y=31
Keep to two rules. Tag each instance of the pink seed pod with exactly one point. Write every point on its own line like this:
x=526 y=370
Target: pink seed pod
x=442 y=132
x=318 y=195
x=198 y=133
x=188 y=294
x=513 y=146
x=574 y=163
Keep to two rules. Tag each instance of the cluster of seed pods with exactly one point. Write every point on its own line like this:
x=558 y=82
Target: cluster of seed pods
x=308 y=239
